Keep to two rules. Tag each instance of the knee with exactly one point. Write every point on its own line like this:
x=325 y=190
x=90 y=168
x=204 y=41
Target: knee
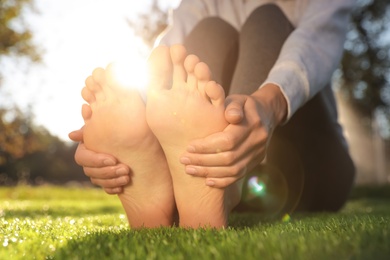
x=266 y=19
x=209 y=33
x=266 y=13
x=215 y=26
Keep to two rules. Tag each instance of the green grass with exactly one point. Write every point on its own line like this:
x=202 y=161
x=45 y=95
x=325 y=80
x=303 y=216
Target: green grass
x=80 y=223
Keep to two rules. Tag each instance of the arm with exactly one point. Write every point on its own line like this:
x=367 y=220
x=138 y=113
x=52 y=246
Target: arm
x=307 y=60
x=312 y=52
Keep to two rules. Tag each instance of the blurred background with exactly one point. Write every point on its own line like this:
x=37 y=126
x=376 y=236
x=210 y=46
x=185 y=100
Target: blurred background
x=48 y=48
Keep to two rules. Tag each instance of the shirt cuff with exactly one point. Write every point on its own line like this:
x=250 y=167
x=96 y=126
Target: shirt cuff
x=293 y=84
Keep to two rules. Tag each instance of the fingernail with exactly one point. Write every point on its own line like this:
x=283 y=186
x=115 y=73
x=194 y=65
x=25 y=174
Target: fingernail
x=235 y=112
x=185 y=160
x=190 y=149
x=117 y=190
x=121 y=171
x=210 y=183
x=109 y=162
x=191 y=170
x=122 y=180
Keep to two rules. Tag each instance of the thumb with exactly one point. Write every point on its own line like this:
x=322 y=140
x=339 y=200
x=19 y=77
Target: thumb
x=234 y=112
x=77 y=135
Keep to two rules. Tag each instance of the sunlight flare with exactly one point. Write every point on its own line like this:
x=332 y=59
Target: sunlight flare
x=130 y=73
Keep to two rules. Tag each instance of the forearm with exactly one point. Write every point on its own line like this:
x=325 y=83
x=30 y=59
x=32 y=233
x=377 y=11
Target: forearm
x=312 y=52
x=272 y=100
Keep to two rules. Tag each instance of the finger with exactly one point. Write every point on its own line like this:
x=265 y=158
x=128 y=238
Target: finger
x=111 y=183
x=88 y=158
x=220 y=157
x=211 y=159
x=237 y=171
x=108 y=172
x=77 y=135
x=234 y=112
x=221 y=182
x=113 y=191
x=227 y=140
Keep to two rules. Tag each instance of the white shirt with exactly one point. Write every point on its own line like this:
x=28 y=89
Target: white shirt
x=308 y=57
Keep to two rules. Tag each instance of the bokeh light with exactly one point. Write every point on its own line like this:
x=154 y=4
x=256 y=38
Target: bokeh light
x=256 y=187
x=266 y=191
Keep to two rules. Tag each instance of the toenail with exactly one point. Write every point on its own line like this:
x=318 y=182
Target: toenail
x=121 y=171
x=191 y=170
x=185 y=160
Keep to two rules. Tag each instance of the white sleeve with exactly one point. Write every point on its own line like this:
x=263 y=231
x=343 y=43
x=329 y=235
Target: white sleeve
x=312 y=52
x=182 y=20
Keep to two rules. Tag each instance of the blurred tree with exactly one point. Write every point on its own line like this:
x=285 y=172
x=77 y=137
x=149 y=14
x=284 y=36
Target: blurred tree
x=31 y=154
x=366 y=64
x=15 y=36
x=17 y=137
x=150 y=24
x=28 y=153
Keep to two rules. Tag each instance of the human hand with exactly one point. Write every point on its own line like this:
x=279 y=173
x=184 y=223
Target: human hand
x=103 y=169
x=225 y=157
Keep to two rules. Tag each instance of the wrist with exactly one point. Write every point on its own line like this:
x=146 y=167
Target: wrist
x=271 y=97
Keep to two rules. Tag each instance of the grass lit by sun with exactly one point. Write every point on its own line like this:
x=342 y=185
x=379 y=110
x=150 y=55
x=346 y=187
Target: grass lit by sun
x=85 y=223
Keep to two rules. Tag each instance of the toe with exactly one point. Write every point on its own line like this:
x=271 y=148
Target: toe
x=91 y=84
x=98 y=76
x=160 y=68
x=111 y=71
x=189 y=65
x=216 y=93
x=202 y=71
x=203 y=74
x=86 y=112
x=100 y=79
x=178 y=54
x=87 y=95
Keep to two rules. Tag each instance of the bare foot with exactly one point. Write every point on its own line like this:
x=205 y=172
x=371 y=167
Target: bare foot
x=115 y=124
x=193 y=108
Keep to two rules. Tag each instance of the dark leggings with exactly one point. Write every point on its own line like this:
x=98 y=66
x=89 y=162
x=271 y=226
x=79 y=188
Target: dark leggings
x=309 y=151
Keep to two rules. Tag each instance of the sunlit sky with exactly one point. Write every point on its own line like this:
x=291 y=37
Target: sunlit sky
x=76 y=37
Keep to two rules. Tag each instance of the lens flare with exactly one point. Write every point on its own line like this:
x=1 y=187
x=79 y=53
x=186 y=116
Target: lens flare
x=130 y=74
x=265 y=191
x=274 y=188
x=256 y=187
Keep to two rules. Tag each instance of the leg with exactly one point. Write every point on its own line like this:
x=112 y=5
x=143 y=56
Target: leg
x=215 y=42
x=115 y=123
x=302 y=151
x=321 y=155
x=261 y=39
x=191 y=109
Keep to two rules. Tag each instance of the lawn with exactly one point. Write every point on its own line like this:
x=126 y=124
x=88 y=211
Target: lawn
x=83 y=223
